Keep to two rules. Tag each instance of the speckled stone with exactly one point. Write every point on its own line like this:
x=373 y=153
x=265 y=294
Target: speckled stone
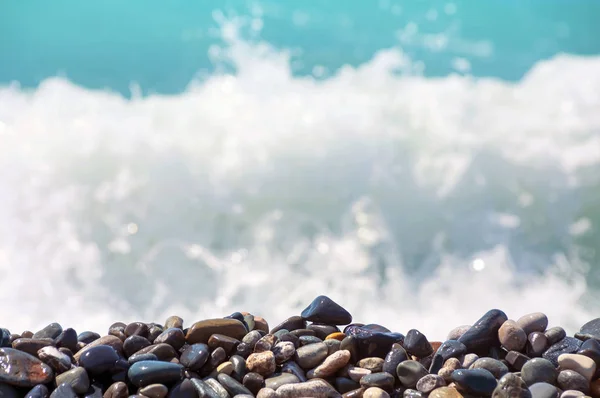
x=445 y=392
x=511 y=386
x=410 y=372
x=581 y=364
x=267 y=393
x=571 y=380
x=154 y=391
x=475 y=381
x=428 y=383
x=484 y=333
x=201 y=331
x=494 y=366
x=512 y=336
x=449 y=367
x=265 y=343
x=534 y=322
x=262 y=363
x=373 y=364
x=144 y=373
x=330 y=365
x=313 y=388
x=543 y=390
x=538 y=370
x=309 y=356
x=375 y=392
x=356 y=373
x=23 y=370
x=568 y=345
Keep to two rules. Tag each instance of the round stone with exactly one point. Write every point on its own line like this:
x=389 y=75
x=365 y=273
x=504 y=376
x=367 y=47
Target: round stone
x=512 y=336
x=173 y=337
x=445 y=392
x=382 y=380
x=375 y=392
x=262 y=363
x=534 y=322
x=309 y=356
x=174 y=322
x=494 y=366
x=417 y=344
x=373 y=364
x=99 y=359
x=475 y=381
x=537 y=344
x=511 y=386
x=581 y=364
x=571 y=380
x=393 y=358
x=232 y=386
x=538 y=370
x=283 y=351
x=144 y=373
x=555 y=334
x=572 y=394
x=115 y=390
x=543 y=390
x=253 y=382
x=195 y=356
x=77 y=378
x=133 y=344
x=410 y=372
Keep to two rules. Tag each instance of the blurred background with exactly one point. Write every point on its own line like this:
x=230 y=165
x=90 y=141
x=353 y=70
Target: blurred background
x=419 y=162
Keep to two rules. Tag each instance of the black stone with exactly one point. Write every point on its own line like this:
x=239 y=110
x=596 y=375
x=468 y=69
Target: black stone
x=4 y=338
x=173 y=337
x=136 y=328
x=68 y=339
x=484 y=333
x=344 y=385
x=475 y=381
x=142 y=357
x=555 y=334
x=195 y=356
x=51 y=331
x=382 y=380
x=568 y=345
x=324 y=310
x=396 y=355
x=591 y=348
x=39 y=391
x=417 y=344
x=204 y=390
x=99 y=359
x=239 y=367
x=133 y=344
x=591 y=330
x=232 y=386
x=448 y=349
x=183 y=389
x=240 y=317
x=87 y=337
x=371 y=341
x=253 y=382
x=292 y=323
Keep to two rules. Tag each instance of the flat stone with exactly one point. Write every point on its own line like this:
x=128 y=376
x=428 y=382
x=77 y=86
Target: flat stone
x=77 y=378
x=374 y=364
x=109 y=340
x=217 y=387
x=445 y=392
x=253 y=382
x=163 y=352
x=201 y=331
x=571 y=380
x=512 y=336
x=516 y=360
x=494 y=366
x=534 y=322
x=51 y=331
x=538 y=370
x=232 y=386
x=262 y=363
x=173 y=337
x=590 y=330
x=117 y=390
x=31 y=346
x=475 y=381
x=581 y=364
x=511 y=386
x=58 y=361
x=591 y=349
x=372 y=340
x=324 y=310
x=449 y=349
x=292 y=323
x=572 y=394
x=484 y=333
x=219 y=340
x=428 y=383
x=99 y=359
x=144 y=373
x=321 y=330
x=393 y=358
x=313 y=388
x=543 y=390
x=204 y=390
x=555 y=334
x=174 y=322
x=310 y=356
x=283 y=351
x=330 y=365
x=416 y=344
x=133 y=344
x=537 y=344
x=410 y=372
x=20 y=369
x=63 y=391
x=375 y=392
x=87 y=337
x=277 y=381
x=39 y=391
x=568 y=345
x=382 y=380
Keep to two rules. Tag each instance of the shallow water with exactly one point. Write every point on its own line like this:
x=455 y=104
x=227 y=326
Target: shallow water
x=418 y=186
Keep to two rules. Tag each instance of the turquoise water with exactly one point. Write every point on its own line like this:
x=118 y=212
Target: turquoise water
x=207 y=157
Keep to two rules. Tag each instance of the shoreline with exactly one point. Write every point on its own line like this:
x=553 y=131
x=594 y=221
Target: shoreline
x=318 y=353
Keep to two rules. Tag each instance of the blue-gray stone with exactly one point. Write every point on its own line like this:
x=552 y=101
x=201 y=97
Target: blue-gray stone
x=417 y=344
x=144 y=373
x=51 y=331
x=87 y=337
x=326 y=311
x=39 y=391
x=68 y=339
x=204 y=390
x=99 y=359
x=195 y=356
x=538 y=370
x=568 y=345
x=393 y=358
x=4 y=338
x=484 y=333
x=591 y=348
x=382 y=380
x=63 y=391
x=543 y=390
x=590 y=330
x=142 y=357
x=475 y=381
x=448 y=349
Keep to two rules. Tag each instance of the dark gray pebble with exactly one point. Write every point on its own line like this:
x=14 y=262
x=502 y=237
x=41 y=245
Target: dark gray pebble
x=516 y=360
x=373 y=340
x=68 y=339
x=322 y=331
x=133 y=344
x=590 y=330
x=538 y=370
x=87 y=337
x=292 y=323
x=393 y=358
x=555 y=334
x=95 y=391
x=543 y=390
x=63 y=391
x=239 y=367
x=295 y=369
x=4 y=338
x=99 y=359
x=326 y=311
x=344 y=385
x=383 y=380
x=173 y=337
x=333 y=345
x=448 y=349
x=416 y=344
x=494 y=366
x=204 y=390
x=571 y=380
x=39 y=391
x=484 y=333
x=410 y=372
x=8 y=391
x=51 y=331
x=136 y=328
x=184 y=389
x=275 y=382
x=77 y=378
x=232 y=386
x=568 y=345
x=591 y=348
x=144 y=373
x=306 y=340
x=253 y=382
x=475 y=381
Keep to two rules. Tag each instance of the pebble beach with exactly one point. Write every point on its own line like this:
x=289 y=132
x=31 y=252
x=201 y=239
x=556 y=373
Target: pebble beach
x=318 y=353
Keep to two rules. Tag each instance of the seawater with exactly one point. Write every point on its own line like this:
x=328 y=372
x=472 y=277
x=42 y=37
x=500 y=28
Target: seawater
x=419 y=162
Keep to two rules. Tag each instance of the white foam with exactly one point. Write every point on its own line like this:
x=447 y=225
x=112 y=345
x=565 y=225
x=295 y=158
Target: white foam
x=262 y=190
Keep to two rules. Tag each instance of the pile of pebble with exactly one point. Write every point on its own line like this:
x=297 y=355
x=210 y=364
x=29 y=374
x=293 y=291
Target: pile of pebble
x=304 y=356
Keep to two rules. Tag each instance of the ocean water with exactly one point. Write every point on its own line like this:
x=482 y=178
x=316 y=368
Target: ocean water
x=419 y=162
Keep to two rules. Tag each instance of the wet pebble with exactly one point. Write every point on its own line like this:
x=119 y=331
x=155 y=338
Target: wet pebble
x=295 y=369
x=484 y=333
x=253 y=382
x=57 y=360
x=534 y=322
x=326 y=311
x=396 y=355
x=20 y=369
x=449 y=349
x=416 y=344
x=375 y=392
x=543 y=390
x=511 y=386
x=568 y=345
x=277 y=381
x=494 y=366
x=63 y=391
x=382 y=380
x=410 y=372
x=538 y=370
x=144 y=373
x=77 y=378
x=39 y=391
x=428 y=383
x=195 y=356
x=99 y=359
x=201 y=331
x=537 y=344
x=117 y=390
x=330 y=365
x=171 y=336
x=475 y=381
x=581 y=364
x=232 y=386
x=311 y=355
x=313 y=388
x=555 y=334
x=31 y=346
x=571 y=380
x=512 y=336
x=262 y=363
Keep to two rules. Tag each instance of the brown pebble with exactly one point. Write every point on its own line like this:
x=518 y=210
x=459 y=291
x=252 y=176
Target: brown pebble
x=31 y=346
x=534 y=322
x=374 y=364
x=512 y=336
x=445 y=392
x=262 y=363
x=220 y=340
x=457 y=332
x=23 y=370
x=174 y=322
x=201 y=331
x=154 y=391
x=136 y=329
x=375 y=392
x=267 y=393
x=581 y=364
x=117 y=390
x=265 y=343
x=330 y=365
x=261 y=324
